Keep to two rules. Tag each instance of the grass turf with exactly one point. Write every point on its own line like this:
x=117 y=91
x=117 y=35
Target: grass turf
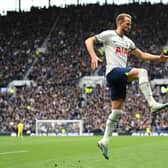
x=82 y=152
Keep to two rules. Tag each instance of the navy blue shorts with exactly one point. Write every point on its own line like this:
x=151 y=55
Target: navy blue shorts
x=117 y=80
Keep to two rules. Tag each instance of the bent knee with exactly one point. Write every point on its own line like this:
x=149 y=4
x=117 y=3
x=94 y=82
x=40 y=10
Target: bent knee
x=134 y=73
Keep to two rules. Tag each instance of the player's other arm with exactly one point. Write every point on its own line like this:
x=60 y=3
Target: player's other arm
x=147 y=56
x=90 y=42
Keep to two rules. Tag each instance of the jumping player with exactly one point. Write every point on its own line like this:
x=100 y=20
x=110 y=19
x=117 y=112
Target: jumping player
x=117 y=47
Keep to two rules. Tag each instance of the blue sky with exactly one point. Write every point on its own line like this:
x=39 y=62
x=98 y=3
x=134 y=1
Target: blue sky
x=26 y=4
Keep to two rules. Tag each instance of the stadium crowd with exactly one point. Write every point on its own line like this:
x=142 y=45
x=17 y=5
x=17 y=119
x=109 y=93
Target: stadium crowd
x=65 y=62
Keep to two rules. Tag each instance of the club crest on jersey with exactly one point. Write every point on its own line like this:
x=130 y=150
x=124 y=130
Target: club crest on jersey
x=122 y=51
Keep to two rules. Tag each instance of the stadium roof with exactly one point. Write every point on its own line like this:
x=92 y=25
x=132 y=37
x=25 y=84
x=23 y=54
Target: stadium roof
x=25 y=5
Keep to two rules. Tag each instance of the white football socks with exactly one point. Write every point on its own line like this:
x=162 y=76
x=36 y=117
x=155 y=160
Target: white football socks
x=144 y=85
x=111 y=124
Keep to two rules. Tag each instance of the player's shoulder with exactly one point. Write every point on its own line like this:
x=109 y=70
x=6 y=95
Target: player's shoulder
x=106 y=34
x=110 y=32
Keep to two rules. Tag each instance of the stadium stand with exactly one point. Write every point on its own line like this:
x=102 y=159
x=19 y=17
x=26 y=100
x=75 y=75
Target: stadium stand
x=65 y=61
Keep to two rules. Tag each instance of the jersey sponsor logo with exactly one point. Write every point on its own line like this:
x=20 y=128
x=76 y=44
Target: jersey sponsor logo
x=122 y=51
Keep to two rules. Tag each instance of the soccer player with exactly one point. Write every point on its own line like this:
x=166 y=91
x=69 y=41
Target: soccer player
x=117 y=48
x=20 y=129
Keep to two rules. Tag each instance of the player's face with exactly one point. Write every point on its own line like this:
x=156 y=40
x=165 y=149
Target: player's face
x=126 y=25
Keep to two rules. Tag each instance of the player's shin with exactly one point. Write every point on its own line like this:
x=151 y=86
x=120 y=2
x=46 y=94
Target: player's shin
x=145 y=87
x=111 y=125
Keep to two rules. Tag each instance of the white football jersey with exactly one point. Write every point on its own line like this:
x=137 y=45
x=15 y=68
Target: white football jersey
x=117 y=48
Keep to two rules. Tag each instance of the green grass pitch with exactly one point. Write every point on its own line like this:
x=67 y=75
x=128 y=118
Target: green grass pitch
x=82 y=152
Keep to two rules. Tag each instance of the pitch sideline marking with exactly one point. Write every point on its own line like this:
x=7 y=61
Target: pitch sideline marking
x=12 y=152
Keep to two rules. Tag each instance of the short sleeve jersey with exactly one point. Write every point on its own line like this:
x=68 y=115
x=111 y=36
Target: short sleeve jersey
x=116 y=47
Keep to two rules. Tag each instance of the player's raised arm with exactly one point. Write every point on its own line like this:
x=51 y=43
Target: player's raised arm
x=147 y=56
x=90 y=42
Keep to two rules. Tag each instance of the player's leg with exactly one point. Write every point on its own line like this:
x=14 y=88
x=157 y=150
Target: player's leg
x=111 y=125
x=145 y=87
x=112 y=120
x=18 y=132
x=21 y=133
x=117 y=82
